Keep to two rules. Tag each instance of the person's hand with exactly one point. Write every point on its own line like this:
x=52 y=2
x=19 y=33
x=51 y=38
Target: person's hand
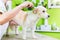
x=27 y=4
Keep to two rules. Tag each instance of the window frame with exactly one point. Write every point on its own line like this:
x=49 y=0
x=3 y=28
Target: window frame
x=49 y=5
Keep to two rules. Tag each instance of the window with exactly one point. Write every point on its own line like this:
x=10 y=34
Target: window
x=53 y=3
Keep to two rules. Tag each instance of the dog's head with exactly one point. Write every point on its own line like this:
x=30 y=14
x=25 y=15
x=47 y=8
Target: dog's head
x=41 y=12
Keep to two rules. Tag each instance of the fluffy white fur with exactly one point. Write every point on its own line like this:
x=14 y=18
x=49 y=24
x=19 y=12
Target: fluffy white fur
x=30 y=19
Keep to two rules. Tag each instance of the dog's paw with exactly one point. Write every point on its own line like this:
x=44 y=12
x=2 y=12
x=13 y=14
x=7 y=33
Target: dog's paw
x=16 y=33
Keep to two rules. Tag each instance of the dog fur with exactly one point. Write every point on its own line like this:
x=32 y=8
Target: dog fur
x=29 y=20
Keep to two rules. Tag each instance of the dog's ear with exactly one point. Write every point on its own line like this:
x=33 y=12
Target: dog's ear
x=35 y=10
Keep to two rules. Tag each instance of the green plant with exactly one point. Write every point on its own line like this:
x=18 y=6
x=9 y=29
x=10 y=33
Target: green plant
x=16 y=2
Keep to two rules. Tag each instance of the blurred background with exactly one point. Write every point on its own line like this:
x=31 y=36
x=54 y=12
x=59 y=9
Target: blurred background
x=54 y=13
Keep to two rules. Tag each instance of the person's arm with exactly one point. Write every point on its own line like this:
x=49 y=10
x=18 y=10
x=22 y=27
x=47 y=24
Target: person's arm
x=7 y=16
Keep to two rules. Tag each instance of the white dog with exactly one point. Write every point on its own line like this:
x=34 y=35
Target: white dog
x=29 y=20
